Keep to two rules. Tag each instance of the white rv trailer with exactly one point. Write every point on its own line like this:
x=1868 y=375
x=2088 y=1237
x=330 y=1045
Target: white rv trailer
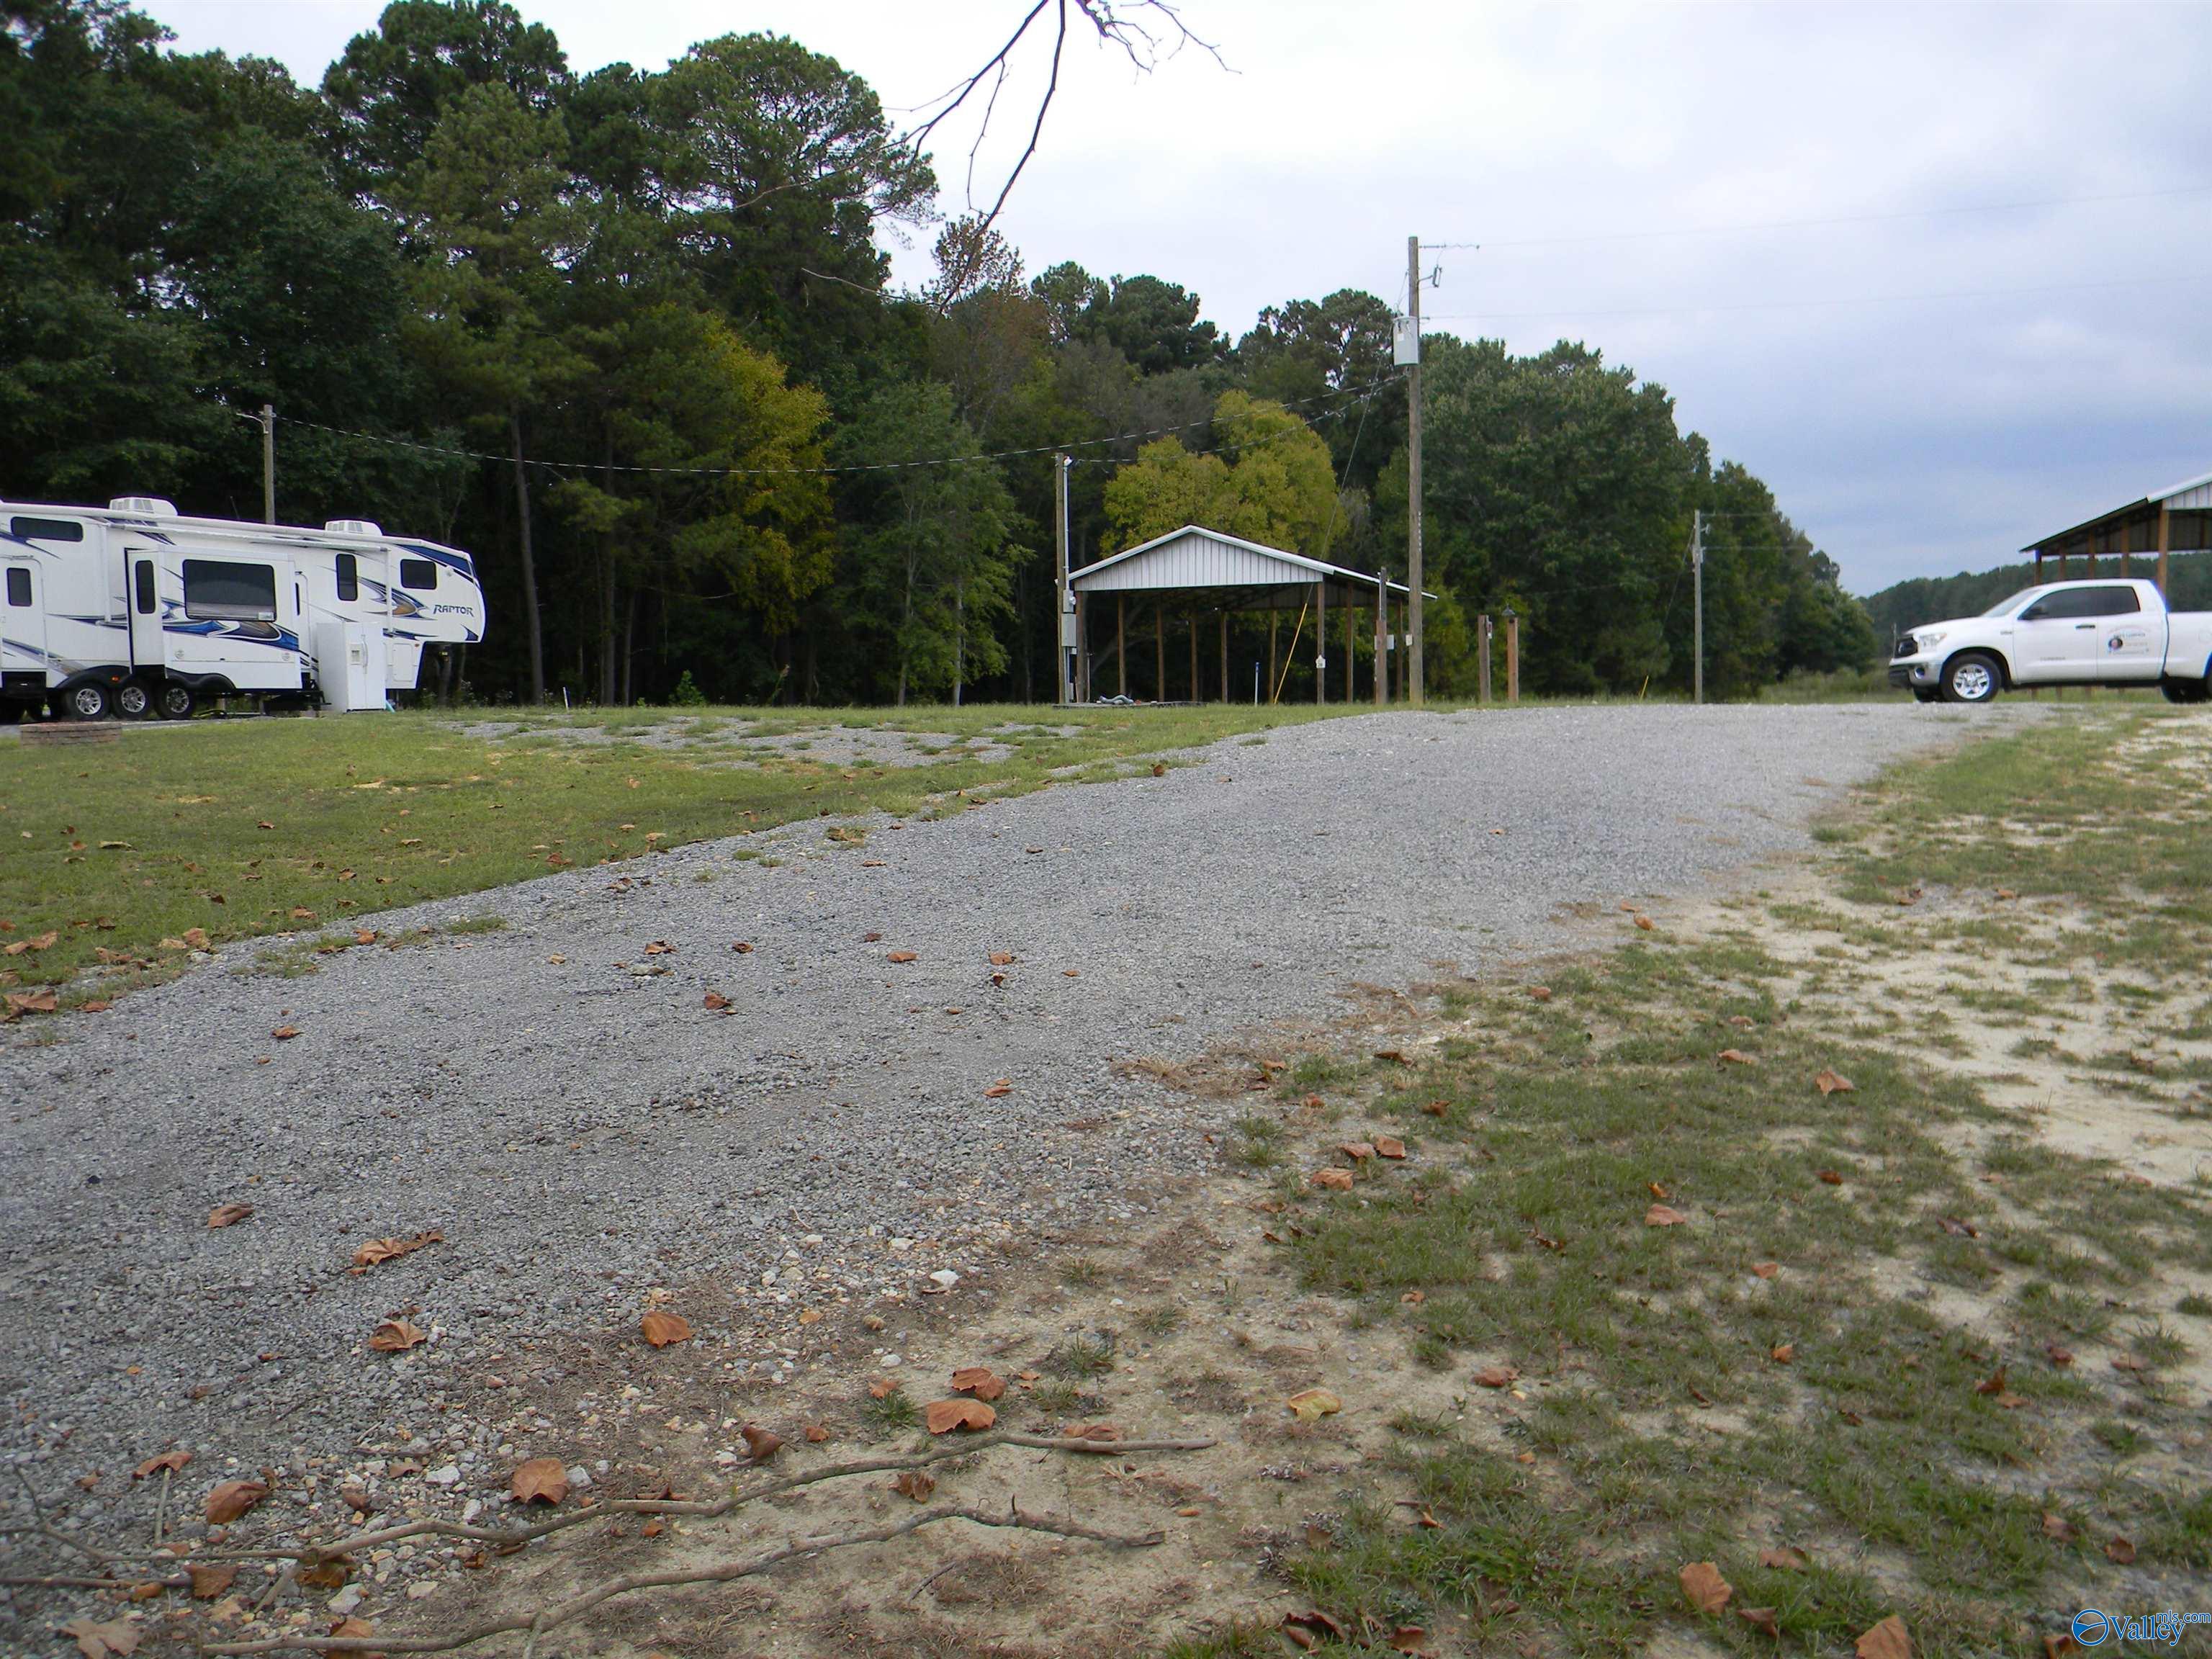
x=134 y=610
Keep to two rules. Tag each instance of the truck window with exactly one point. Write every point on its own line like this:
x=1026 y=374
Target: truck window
x=349 y=578
x=2069 y=602
x=46 y=530
x=19 y=585
x=218 y=591
x=419 y=574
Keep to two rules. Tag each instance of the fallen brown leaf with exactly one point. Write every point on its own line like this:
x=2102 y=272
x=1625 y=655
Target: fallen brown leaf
x=228 y=1215
x=916 y=1483
x=1496 y=1376
x=96 y=1640
x=1311 y=1405
x=714 y=1002
x=378 y=1250
x=1645 y=923
x=979 y=1381
x=1337 y=1180
x=396 y=1336
x=1389 y=1146
x=232 y=1499
x=1706 y=1591
x=761 y=1443
x=882 y=1388
x=1660 y=1216
x=944 y=1416
x=540 y=1480
x=660 y=1328
x=285 y=1033
x=1785 y=1557
x=900 y=956
x=1767 y=1269
x=1736 y=1057
x=1760 y=1619
x=1834 y=1082
x=816 y=1434
x=1783 y=1352
x=212 y=1579
x=172 y=1461
x=2120 y=1551
x=1887 y=1640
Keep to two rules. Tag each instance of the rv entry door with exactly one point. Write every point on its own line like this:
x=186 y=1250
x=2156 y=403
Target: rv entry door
x=141 y=602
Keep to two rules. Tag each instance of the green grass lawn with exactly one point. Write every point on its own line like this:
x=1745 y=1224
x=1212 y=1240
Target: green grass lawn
x=1882 y=1351
x=257 y=826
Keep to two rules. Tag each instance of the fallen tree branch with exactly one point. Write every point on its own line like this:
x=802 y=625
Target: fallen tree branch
x=74 y=1580
x=517 y=1536
x=722 y=1572
x=52 y=1535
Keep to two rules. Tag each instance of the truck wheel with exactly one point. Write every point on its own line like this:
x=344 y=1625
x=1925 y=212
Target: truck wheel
x=2185 y=690
x=178 y=701
x=134 y=701
x=88 y=702
x=1970 y=676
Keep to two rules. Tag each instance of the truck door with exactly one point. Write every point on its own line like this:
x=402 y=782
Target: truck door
x=2132 y=640
x=2057 y=641
x=142 y=603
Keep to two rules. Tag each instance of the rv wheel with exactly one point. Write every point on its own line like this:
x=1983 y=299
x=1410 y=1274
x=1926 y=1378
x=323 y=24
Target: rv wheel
x=11 y=712
x=133 y=700
x=88 y=702
x=178 y=701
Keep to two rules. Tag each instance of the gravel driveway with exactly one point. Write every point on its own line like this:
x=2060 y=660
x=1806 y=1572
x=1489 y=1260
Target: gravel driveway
x=558 y=1100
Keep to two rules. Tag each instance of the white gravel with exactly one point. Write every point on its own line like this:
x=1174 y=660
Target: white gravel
x=583 y=1131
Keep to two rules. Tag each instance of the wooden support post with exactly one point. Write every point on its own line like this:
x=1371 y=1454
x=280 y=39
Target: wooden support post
x=1482 y=659
x=1197 y=691
x=1320 y=642
x=1512 y=657
x=1273 y=617
x=1382 y=638
x=1082 y=649
x=1224 y=653
x=1121 y=640
x=1160 y=652
x=1351 y=653
x=2165 y=544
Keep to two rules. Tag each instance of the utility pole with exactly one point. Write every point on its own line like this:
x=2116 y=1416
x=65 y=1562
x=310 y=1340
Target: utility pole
x=1698 y=604
x=1064 y=657
x=1416 y=681
x=266 y=420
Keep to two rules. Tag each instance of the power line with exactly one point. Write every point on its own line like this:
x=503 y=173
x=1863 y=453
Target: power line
x=1838 y=300
x=1838 y=219
x=1361 y=393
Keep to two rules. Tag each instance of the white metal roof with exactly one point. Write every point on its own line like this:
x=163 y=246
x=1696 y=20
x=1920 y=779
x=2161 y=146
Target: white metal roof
x=1194 y=556
x=2193 y=494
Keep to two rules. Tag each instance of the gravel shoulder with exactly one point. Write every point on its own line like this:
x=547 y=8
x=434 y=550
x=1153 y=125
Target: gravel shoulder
x=565 y=1108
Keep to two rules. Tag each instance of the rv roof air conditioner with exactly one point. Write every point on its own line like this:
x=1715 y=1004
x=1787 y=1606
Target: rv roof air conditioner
x=152 y=506
x=354 y=527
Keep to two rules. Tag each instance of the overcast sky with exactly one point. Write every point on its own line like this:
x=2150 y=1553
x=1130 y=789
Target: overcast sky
x=1978 y=356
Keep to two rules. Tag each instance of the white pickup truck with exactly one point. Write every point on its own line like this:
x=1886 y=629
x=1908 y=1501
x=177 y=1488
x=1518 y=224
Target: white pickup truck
x=2092 y=633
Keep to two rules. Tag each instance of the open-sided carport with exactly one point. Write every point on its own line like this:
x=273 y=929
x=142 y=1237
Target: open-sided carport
x=2177 y=519
x=1194 y=575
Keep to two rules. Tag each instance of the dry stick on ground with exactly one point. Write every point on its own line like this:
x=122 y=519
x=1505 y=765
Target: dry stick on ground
x=723 y=1572
x=313 y=1554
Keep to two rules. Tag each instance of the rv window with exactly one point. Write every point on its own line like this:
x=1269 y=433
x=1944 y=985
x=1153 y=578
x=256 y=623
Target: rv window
x=19 y=585
x=349 y=578
x=144 y=577
x=46 y=530
x=220 y=592
x=418 y=572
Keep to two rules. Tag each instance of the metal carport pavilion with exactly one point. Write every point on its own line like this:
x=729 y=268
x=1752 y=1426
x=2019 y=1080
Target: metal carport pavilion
x=2176 y=520
x=1221 y=575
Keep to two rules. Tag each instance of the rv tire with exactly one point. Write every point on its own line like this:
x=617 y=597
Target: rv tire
x=11 y=712
x=88 y=700
x=134 y=700
x=177 y=701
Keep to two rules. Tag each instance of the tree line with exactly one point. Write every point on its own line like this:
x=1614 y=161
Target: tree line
x=628 y=337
